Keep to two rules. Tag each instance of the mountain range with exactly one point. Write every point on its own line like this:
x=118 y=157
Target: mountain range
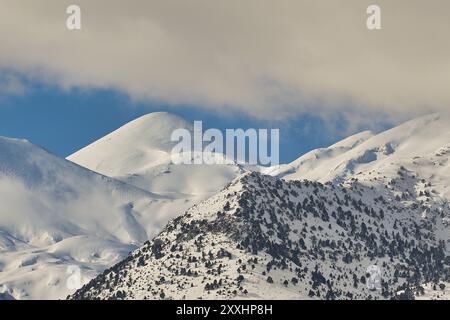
x=313 y=228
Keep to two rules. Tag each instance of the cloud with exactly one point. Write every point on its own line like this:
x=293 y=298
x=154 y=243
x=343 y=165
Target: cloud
x=11 y=84
x=270 y=59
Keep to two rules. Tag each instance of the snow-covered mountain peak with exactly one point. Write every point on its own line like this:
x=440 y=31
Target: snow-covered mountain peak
x=385 y=152
x=265 y=238
x=139 y=153
x=55 y=214
x=137 y=145
x=314 y=158
x=369 y=200
x=152 y=130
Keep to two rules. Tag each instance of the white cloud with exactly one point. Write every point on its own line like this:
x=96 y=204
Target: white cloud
x=270 y=59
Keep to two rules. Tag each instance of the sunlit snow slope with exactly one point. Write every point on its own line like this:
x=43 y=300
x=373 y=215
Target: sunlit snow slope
x=421 y=147
x=55 y=214
x=139 y=153
x=384 y=203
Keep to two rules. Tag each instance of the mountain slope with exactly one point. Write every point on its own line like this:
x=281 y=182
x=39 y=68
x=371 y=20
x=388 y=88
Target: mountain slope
x=314 y=159
x=262 y=237
x=139 y=153
x=420 y=145
x=140 y=144
x=385 y=202
x=56 y=214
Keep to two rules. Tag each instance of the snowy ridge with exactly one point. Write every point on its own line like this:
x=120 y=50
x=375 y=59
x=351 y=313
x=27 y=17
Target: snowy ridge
x=368 y=200
x=138 y=145
x=315 y=158
x=56 y=214
x=398 y=146
x=139 y=153
x=262 y=237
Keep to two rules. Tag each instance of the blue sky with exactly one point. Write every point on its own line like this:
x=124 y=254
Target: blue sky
x=64 y=121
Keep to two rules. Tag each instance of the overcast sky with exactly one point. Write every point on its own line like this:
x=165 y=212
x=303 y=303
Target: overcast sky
x=312 y=66
x=265 y=58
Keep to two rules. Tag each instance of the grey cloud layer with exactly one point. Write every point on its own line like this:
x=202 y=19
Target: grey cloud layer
x=266 y=58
